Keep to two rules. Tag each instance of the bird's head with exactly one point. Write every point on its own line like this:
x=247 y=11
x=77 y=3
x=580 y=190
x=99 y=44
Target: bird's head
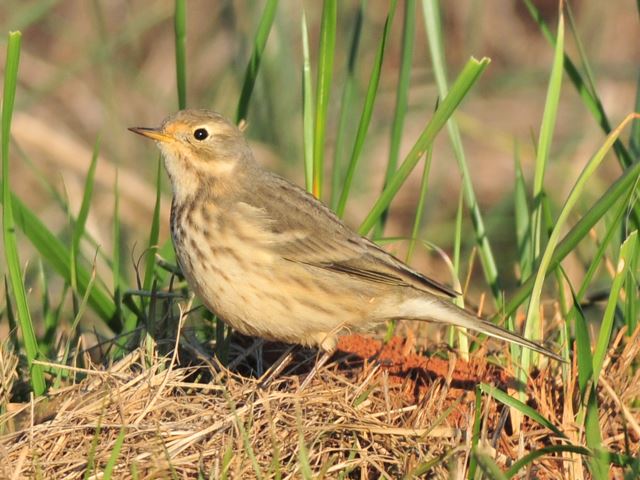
x=200 y=148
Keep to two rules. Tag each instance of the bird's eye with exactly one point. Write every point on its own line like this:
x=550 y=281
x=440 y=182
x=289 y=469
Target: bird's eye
x=200 y=133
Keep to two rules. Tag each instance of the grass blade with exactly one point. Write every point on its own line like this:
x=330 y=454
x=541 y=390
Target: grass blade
x=367 y=111
x=525 y=409
x=522 y=233
x=115 y=262
x=152 y=245
x=115 y=453
x=542 y=158
x=460 y=88
x=259 y=42
x=529 y=458
x=80 y=223
x=532 y=326
x=488 y=465
x=633 y=293
x=606 y=326
x=522 y=220
x=325 y=74
x=307 y=106
x=180 y=29
x=345 y=120
x=417 y=219
x=402 y=96
x=634 y=141
x=593 y=437
x=303 y=453
x=436 y=48
x=8 y=224
x=584 y=359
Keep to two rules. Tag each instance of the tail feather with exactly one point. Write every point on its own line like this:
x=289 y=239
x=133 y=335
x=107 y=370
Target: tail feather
x=438 y=311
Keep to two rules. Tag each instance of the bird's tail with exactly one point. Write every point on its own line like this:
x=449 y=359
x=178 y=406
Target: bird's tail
x=439 y=311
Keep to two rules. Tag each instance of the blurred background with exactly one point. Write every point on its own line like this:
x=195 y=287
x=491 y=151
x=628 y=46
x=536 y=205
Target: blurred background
x=90 y=69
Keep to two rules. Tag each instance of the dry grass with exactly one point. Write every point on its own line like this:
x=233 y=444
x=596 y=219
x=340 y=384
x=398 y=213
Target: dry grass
x=184 y=416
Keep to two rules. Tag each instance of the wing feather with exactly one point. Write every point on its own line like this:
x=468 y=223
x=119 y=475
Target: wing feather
x=316 y=237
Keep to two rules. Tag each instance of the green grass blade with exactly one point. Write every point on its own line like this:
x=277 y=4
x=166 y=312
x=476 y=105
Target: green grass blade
x=303 y=452
x=584 y=60
x=93 y=447
x=634 y=140
x=522 y=221
x=402 y=96
x=583 y=347
x=623 y=187
x=115 y=453
x=532 y=328
x=367 y=111
x=345 y=120
x=81 y=220
x=8 y=224
x=259 y=42
x=633 y=293
x=547 y=128
x=225 y=464
x=48 y=315
x=307 y=106
x=576 y=191
x=467 y=78
x=522 y=233
x=11 y=318
x=457 y=236
x=152 y=245
x=593 y=437
x=541 y=452
x=422 y=469
x=463 y=337
x=180 y=29
x=488 y=465
x=325 y=74
x=116 y=257
x=436 y=48
x=417 y=219
x=606 y=326
x=523 y=408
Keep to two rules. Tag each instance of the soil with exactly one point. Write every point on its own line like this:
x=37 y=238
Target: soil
x=415 y=373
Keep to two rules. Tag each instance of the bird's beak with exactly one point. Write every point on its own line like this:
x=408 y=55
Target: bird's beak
x=152 y=133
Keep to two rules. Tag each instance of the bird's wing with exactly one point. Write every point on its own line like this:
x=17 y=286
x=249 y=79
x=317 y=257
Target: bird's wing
x=308 y=232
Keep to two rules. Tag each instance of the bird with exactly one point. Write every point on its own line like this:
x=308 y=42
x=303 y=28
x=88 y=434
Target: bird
x=273 y=261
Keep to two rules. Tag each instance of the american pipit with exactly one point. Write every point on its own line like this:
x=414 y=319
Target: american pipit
x=273 y=261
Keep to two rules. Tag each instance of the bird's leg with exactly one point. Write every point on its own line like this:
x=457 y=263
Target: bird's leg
x=259 y=356
x=326 y=355
x=258 y=342
x=274 y=370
